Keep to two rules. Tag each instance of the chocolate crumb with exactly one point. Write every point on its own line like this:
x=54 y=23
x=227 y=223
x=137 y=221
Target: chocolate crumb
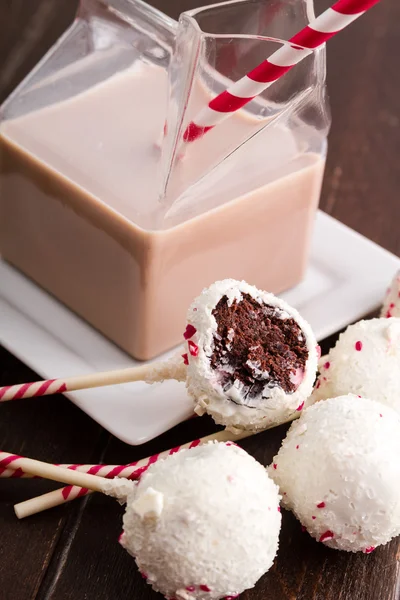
x=265 y=351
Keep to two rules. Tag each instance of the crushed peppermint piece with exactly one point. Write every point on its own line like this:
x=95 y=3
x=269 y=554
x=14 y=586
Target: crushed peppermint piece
x=321 y=505
x=189 y=332
x=358 y=346
x=327 y=535
x=300 y=407
x=193 y=348
x=185 y=359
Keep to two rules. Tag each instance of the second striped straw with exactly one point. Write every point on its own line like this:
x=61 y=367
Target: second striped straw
x=328 y=24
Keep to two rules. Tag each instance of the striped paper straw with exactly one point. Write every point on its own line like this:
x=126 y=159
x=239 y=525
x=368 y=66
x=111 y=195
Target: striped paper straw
x=132 y=471
x=328 y=24
x=171 y=368
x=108 y=471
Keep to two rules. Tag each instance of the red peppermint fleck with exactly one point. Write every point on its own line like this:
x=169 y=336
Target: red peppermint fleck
x=185 y=359
x=380 y=415
x=193 y=348
x=318 y=384
x=275 y=466
x=297 y=447
x=313 y=518
x=204 y=588
x=232 y=597
x=303 y=528
x=369 y=549
x=190 y=588
x=358 y=346
x=319 y=352
x=300 y=407
x=327 y=535
x=321 y=505
x=279 y=509
x=189 y=332
x=327 y=365
x=144 y=575
x=389 y=312
x=284 y=493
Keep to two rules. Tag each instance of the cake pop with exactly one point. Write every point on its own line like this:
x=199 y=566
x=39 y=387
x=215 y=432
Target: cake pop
x=365 y=361
x=251 y=358
x=203 y=523
x=391 y=303
x=339 y=472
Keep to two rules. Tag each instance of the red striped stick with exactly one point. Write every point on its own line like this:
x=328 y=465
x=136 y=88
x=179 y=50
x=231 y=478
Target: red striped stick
x=12 y=471
x=321 y=29
x=32 y=390
x=171 y=368
x=132 y=471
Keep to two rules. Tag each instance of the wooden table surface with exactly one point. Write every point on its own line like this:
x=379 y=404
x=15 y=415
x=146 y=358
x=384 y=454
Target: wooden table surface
x=71 y=552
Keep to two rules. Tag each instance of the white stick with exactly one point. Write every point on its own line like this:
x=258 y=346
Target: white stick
x=172 y=368
x=55 y=473
x=61 y=496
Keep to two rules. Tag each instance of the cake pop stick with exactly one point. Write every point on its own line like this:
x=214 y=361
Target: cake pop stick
x=56 y=473
x=66 y=494
x=172 y=368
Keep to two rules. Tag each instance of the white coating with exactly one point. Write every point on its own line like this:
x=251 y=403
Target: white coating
x=218 y=529
x=229 y=407
x=338 y=470
x=391 y=303
x=365 y=361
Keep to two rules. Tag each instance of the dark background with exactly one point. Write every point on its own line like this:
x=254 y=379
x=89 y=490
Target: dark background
x=71 y=552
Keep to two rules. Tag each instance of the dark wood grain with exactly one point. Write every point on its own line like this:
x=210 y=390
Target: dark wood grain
x=71 y=552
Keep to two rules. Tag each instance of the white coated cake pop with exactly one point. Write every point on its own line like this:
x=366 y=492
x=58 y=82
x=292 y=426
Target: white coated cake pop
x=365 y=361
x=203 y=523
x=339 y=472
x=391 y=303
x=252 y=359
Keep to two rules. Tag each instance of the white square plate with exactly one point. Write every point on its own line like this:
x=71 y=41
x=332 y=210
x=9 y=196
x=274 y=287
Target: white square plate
x=346 y=279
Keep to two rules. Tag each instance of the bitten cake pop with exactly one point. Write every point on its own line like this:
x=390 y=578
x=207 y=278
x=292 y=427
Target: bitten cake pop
x=251 y=357
x=339 y=472
x=365 y=361
x=391 y=303
x=204 y=523
x=249 y=360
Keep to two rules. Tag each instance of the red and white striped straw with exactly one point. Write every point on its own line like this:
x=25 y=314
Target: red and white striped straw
x=129 y=471
x=132 y=471
x=328 y=24
x=172 y=368
x=32 y=390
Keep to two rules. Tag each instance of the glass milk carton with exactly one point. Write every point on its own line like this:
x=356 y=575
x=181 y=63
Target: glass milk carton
x=105 y=206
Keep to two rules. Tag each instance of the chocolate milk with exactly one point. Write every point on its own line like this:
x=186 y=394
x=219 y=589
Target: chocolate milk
x=80 y=211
